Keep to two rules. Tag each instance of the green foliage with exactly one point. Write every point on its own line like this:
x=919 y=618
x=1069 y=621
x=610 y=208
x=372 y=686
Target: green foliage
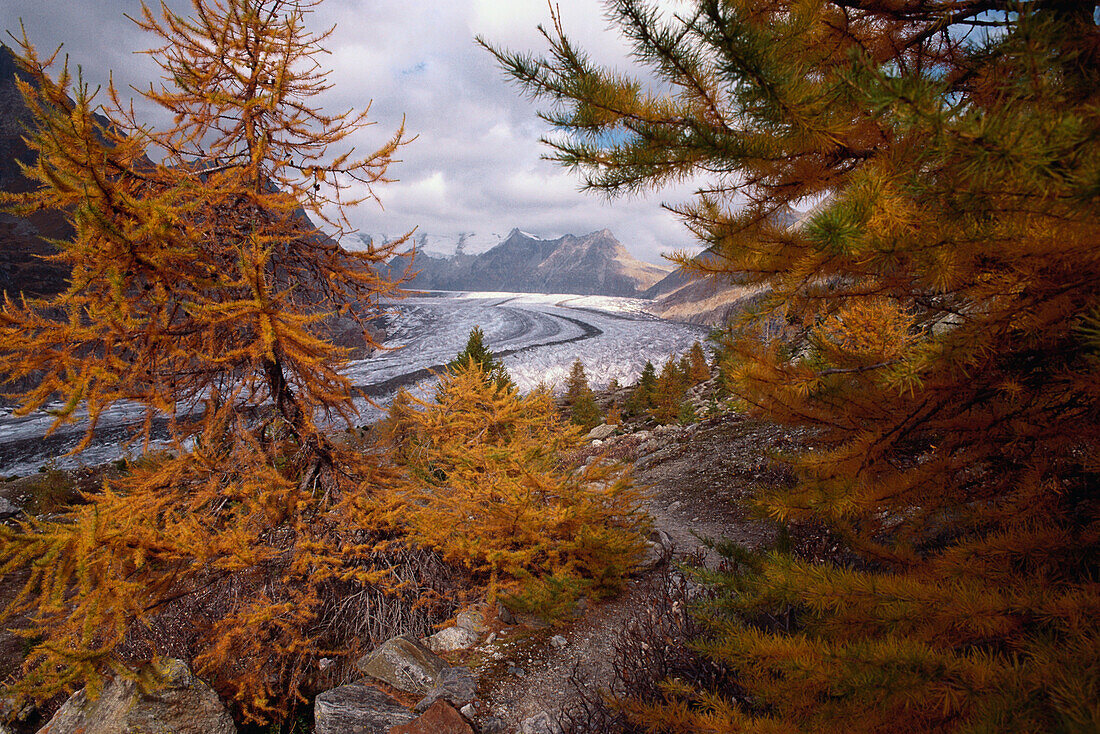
x=643 y=396
x=579 y=399
x=932 y=320
x=475 y=351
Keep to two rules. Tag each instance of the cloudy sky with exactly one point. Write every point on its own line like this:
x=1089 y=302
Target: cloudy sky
x=475 y=166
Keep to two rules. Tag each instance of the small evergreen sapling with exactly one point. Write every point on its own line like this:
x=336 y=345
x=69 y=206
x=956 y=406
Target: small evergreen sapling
x=579 y=399
x=476 y=351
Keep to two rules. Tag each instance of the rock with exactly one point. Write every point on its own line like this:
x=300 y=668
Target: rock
x=457 y=686
x=492 y=725
x=675 y=505
x=532 y=621
x=7 y=509
x=596 y=443
x=558 y=642
x=440 y=718
x=473 y=619
x=642 y=435
x=504 y=614
x=451 y=639
x=491 y=638
x=517 y=671
x=600 y=432
x=357 y=709
x=181 y=704
x=404 y=664
x=540 y=723
x=659 y=550
x=469 y=711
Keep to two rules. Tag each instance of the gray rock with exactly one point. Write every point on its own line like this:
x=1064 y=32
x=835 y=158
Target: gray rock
x=600 y=432
x=504 y=614
x=404 y=664
x=180 y=704
x=540 y=723
x=558 y=642
x=451 y=639
x=473 y=619
x=659 y=550
x=469 y=711
x=7 y=509
x=357 y=709
x=457 y=686
x=492 y=725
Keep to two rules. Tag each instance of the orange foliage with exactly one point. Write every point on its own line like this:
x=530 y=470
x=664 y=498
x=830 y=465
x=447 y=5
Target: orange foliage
x=198 y=287
x=491 y=490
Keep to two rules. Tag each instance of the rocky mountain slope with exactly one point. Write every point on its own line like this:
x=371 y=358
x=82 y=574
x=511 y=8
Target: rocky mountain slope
x=23 y=241
x=684 y=296
x=595 y=264
x=711 y=300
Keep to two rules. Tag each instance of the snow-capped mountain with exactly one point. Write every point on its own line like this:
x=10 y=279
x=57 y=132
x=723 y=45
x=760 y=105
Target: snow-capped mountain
x=595 y=264
x=438 y=246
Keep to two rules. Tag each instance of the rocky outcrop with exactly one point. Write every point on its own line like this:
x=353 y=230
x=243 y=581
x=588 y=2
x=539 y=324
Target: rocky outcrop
x=404 y=664
x=179 y=703
x=357 y=709
x=595 y=264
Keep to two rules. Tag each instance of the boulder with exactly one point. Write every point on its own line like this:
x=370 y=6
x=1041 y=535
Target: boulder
x=659 y=549
x=357 y=709
x=7 y=509
x=457 y=686
x=473 y=619
x=600 y=432
x=504 y=614
x=558 y=642
x=440 y=718
x=178 y=703
x=451 y=639
x=404 y=664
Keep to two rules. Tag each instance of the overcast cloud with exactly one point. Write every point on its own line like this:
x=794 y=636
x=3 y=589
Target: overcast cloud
x=475 y=165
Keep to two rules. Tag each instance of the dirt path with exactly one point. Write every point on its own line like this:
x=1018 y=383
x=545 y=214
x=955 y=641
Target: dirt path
x=698 y=481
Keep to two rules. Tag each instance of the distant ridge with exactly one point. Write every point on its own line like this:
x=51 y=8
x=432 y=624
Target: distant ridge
x=595 y=264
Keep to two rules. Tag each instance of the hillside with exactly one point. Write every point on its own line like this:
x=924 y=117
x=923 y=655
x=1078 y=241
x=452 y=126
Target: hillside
x=681 y=296
x=23 y=241
x=595 y=264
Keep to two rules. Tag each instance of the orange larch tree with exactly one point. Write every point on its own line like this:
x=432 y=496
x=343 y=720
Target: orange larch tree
x=933 y=318
x=198 y=290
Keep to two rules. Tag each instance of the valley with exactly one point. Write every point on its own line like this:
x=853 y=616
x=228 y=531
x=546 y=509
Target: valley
x=538 y=336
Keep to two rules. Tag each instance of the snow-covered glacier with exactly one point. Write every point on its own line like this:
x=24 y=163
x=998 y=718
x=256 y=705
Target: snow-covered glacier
x=538 y=336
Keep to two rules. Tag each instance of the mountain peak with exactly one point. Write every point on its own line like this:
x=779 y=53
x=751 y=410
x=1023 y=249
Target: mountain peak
x=594 y=264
